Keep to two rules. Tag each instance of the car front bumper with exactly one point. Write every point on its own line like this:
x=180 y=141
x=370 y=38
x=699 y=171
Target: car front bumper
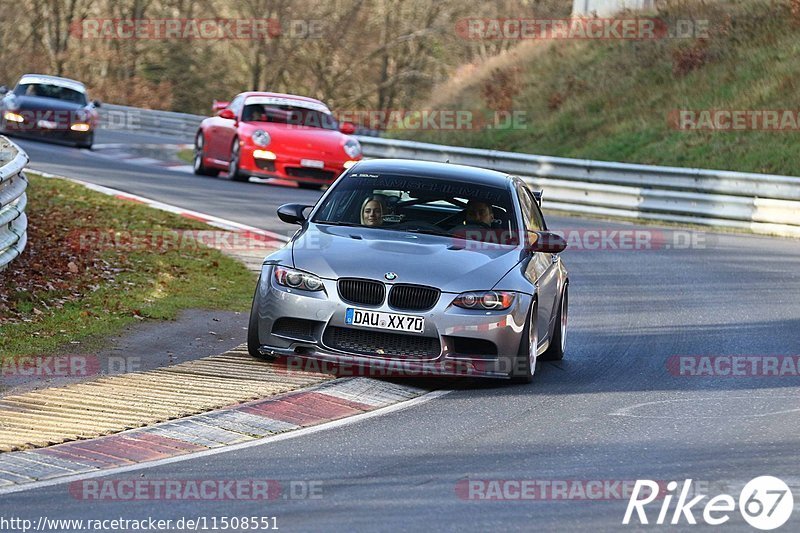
x=290 y=167
x=467 y=342
x=61 y=133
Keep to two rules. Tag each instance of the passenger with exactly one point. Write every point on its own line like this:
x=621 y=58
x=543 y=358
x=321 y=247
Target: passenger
x=478 y=212
x=259 y=115
x=372 y=211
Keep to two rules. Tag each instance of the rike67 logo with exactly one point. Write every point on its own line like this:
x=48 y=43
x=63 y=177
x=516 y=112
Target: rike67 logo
x=765 y=503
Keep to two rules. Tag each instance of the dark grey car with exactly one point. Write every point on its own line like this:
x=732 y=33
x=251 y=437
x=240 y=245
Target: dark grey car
x=416 y=268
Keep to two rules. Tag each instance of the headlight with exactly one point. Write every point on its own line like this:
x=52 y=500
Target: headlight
x=485 y=300
x=352 y=148
x=80 y=127
x=14 y=117
x=295 y=279
x=261 y=138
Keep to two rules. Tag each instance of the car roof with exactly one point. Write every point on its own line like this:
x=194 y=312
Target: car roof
x=56 y=80
x=280 y=95
x=410 y=167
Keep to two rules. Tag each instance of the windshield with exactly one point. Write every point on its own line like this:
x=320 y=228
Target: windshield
x=421 y=205
x=289 y=114
x=46 y=90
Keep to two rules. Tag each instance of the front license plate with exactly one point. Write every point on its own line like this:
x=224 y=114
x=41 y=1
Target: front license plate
x=312 y=163
x=47 y=124
x=378 y=320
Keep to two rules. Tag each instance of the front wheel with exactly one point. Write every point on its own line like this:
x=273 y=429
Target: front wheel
x=525 y=361
x=558 y=343
x=234 y=168
x=253 y=341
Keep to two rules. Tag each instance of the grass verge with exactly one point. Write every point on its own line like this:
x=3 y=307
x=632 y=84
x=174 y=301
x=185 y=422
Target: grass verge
x=95 y=263
x=186 y=155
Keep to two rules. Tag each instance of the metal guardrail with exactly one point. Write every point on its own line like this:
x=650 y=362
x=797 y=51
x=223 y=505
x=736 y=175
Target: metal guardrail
x=149 y=121
x=760 y=203
x=13 y=222
x=168 y=123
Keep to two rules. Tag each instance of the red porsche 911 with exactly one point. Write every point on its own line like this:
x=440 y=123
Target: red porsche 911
x=271 y=135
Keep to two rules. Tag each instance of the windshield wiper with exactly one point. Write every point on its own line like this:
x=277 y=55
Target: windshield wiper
x=440 y=233
x=336 y=223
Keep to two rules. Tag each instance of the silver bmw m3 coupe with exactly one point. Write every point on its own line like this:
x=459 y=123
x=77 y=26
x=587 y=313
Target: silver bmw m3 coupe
x=416 y=268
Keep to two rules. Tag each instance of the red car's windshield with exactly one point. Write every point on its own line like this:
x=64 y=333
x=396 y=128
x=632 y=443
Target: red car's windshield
x=288 y=114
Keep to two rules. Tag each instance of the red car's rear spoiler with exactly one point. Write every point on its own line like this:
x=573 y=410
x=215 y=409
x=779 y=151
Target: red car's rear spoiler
x=218 y=106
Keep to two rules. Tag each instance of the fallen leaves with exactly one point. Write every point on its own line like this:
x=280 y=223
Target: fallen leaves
x=52 y=272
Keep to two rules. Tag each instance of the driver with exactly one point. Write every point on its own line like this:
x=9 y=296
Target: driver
x=479 y=213
x=372 y=211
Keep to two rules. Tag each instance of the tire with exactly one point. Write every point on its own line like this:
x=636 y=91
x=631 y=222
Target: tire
x=234 y=170
x=555 y=352
x=253 y=342
x=197 y=162
x=311 y=186
x=86 y=145
x=525 y=361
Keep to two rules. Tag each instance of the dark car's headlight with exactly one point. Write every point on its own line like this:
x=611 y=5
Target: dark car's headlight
x=296 y=279
x=485 y=300
x=261 y=138
x=352 y=148
x=13 y=117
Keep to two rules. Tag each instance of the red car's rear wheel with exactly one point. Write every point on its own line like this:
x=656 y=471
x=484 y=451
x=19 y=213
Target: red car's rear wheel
x=199 y=151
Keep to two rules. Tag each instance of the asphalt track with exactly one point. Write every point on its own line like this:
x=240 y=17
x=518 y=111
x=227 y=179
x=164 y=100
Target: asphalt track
x=613 y=410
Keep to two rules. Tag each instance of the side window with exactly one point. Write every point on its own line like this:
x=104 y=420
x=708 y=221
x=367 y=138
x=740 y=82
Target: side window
x=537 y=213
x=530 y=213
x=236 y=105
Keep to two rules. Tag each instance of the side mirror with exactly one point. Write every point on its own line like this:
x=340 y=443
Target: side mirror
x=228 y=114
x=3 y=89
x=292 y=213
x=546 y=242
x=96 y=103
x=347 y=128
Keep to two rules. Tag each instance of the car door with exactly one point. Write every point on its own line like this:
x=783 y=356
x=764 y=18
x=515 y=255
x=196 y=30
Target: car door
x=542 y=266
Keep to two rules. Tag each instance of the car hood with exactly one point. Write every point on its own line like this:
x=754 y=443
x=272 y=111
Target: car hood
x=37 y=103
x=328 y=142
x=451 y=265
